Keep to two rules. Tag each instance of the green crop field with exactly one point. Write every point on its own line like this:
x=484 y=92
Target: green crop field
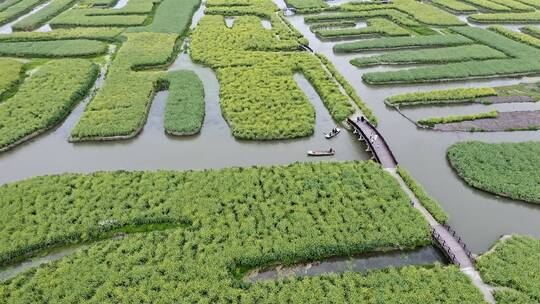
x=509 y=169
x=260 y=151
x=514 y=265
x=275 y=214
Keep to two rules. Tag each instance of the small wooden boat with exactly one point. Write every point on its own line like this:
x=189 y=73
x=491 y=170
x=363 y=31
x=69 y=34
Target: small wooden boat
x=332 y=133
x=321 y=153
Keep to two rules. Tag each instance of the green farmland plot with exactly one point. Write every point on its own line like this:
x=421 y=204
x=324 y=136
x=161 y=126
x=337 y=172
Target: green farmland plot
x=235 y=219
x=506 y=169
x=513 y=264
x=11 y=71
x=58 y=48
x=44 y=99
x=184 y=112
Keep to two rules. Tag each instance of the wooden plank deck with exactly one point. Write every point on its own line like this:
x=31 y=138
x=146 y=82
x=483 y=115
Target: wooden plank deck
x=376 y=143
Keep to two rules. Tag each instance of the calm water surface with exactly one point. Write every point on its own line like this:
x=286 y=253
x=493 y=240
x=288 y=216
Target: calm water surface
x=478 y=217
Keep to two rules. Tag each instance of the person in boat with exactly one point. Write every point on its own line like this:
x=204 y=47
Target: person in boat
x=331 y=150
x=334 y=130
x=362 y=119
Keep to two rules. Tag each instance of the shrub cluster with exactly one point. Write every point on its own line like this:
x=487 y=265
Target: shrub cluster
x=529 y=17
x=430 y=122
x=514 y=265
x=390 y=14
x=133 y=14
x=455 y=6
x=34 y=21
x=531 y=30
x=239 y=218
x=426 y=14
x=11 y=72
x=53 y=48
x=506 y=169
x=376 y=26
x=441 y=96
x=120 y=107
x=45 y=99
x=525 y=61
x=366 y=111
x=306 y=4
x=15 y=9
x=170 y=17
x=489 y=5
x=258 y=95
x=431 y=205
x=104 y=34
x=517 y=36
x=387 y=43
x=184 y=113
x=438 y=55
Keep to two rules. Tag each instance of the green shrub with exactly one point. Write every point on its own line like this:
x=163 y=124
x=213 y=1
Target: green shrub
x=366 y=111
x=530 y=17
x=376 y=26
x=332 y=24
x=421 y=12
x=306 y=4
x=514 y=265
x=455 y=6
x=258 y=95
x=456 y=71
x=18 y=9
x=59 y=48
x=387 y=43
x=105 y=34
x=44 y=99
x=11 y=72
x=184 y=113
x=430 y=122
x=439 y=55
x=34 y=21
x=520 y=37
x=390 y=14
x=362 y=210
x=489 y=5
x=515 y=5
x=120 y=107
x=441 y=96
x=531 y=3
x=171 y=16
x=431 y=205
x=531 y=30
x=499 y=42
x=509 y=169
x=133 y=14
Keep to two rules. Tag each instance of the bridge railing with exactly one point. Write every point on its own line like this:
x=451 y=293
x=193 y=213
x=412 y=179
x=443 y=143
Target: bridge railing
x=366 y=138
x=444 y=247
x=383 y=140
x=460 y=241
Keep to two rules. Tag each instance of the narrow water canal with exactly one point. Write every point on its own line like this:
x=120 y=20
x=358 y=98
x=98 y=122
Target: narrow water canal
x=480 y=218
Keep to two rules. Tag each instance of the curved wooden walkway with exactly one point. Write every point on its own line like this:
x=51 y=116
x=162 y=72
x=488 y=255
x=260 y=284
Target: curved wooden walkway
x=375 y=142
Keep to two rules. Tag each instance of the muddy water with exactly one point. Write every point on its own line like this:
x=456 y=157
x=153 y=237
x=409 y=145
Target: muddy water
x=479 y=217
x=361 y=263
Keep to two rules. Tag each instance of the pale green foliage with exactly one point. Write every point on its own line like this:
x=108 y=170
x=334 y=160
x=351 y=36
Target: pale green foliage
x=184 y=112
x=506 y=169
x=120 y=107
x=456 y=118
x=45 y=98
x=514 y=263
x=441 y=96
x=10 y=74
x=58 y=48
x=387 y=43
x=431 y=205
x=439 y=55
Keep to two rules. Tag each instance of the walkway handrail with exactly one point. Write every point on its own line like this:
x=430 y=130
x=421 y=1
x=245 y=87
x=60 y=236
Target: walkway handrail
x=384 y=140
x=370 y=145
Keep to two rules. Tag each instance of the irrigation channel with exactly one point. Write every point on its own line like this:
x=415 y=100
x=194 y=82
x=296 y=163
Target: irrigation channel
x=478 y=217
x=360 y=263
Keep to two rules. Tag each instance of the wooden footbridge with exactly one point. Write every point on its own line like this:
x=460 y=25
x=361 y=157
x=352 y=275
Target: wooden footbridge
x=443 y=236
x=375 y=142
